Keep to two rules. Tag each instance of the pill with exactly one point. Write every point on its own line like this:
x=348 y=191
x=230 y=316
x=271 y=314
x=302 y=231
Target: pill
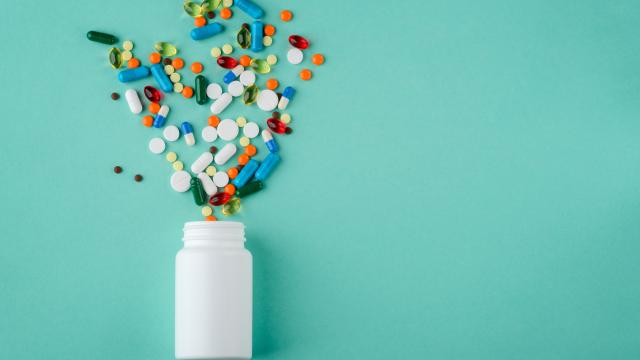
x=211 y=170
x=161 y=78
x=178 y=165
x=201 y=162
x=235 y=88
x=200 y=21
x=286 y=15
x=251 y=130
x=201 y=90
x=225 y=154
x=272 y=59
x=101 y=37
x=317 y=59
x=298 y=42
x=269 y=30
x=115 y=96
x=206 y=211
x=276 y=126
x=250 y=188
x=250 y=94
x=269 y=141
x=175 y=77
x=246 y=173
x=244 y=141
x=165 y=48
x=232 y=172
x=227 y=129
x=287 y=95
x=171 y=133
x=133 y=63
x=231 y=207
x=209 y=186
x=272 y=84
x=241 y=121
x=248 y=78
x=243 y=37
x=180 y=181
x=187 y=130
x=133 y=100
x=305 y=74
x=233 y=74
x=226 y=13
x=257 y=31
x=220 y=198
x=137 y=178
x=267 y=41
x=152 y=94
x=295 y=56
x=249 y=8
x=260 y=66
x=126 y=55
x=227 y=49
x=245 y=60
x=213 y=120
x=250 y=150
x=267 y=100
x=171 y=156
x=155 y=58
x=117 y=169
x=267 y=166
x=227 y=62
x=214 y=91
x=168 y=69
x=178 y=87
x=129 y=75
x=127 y=45
x=161 y=116
x=199 y=195
x=207 y=31
x=215 y=52
x=221 y=179
x=209 y=134
x=221 y=103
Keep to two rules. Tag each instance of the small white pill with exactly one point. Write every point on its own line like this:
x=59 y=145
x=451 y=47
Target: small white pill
x=251 y=130
x=181 y=181
x=208 y=184
x=225 y=154
x=235 y=88
x=133 y=100
x=221 y=103
x=228 y=129
x=171 y=133
x=248 y=78
x=295 y=56
x=267 y=100
x=201 y=162
x=221 y=179
x=214 y=91
x=157 y=145
x=209 y=134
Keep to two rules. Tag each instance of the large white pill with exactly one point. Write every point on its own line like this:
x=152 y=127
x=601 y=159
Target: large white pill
x=251 y=130
x=171 y=133
x=208 y=184
x=228 y=129
x=214 y=91
x=295 y=56
x=209 y=134
x=201 y=162
x=133 y=100
x=221 y=179
x=225 y=154
x=235 y=88
x=156 y=145
x=267 y=100
x=181 y=181
x=248 y=78
x=221 y=103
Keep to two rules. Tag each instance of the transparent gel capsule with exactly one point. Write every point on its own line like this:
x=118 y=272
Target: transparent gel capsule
x=165 y=48
x=298 y=41
x=231 y=207
x=250 y=94
x=192 y=9
x=260 y=66
x=210 y=5
x=153 y=94
x=220 y=198
x=276 y=126
x=115 y=58
x=244 y=37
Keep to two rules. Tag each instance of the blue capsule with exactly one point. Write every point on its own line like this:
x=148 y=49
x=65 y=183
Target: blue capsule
x=233 y=74
x=287 y=95
x=246 y=173
x=257 y=32
x=157 y=70
x=267 y=166
x=250 y=8
x=271 y=143
x=161 y=116
x=207 y=31
x=187 y=130
x=138 y=73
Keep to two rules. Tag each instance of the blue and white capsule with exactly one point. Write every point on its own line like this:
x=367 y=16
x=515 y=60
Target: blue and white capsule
x=233 y=74
x=246 y=173
x=257 y=33
x=269 y=141
x=129 y=75
x=161 y=116
x=287 y=95
x=157 y=70
x=249 y=8
x=207 y=31
x=267 y=166
x=187 y=130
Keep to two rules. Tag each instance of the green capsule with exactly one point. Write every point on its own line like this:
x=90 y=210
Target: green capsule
x=201 y=90
x=231 y=207
x=260 y=66
x=115 y=58
x=250 y=94
x=102 y=37
x=192 y=9
x=250 y=188
x=209 y=5
x=244 y=38
x=199 y=196
x=165 y=48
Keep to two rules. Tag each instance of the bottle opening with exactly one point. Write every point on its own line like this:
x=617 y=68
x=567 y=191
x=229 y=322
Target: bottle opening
x=213 y=230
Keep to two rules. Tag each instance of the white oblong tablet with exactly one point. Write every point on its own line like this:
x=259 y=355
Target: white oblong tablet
x=209 y=134
x=248 y=78
x=295 y=56
x=251 y=130
x=181 y=181
x=225 y=154
x=133 y=100
x=171 y=133
x=221 y=179
x=201 y=162
x=208 y=184
x=157 y=145
x=228 y=129
x=267 y=100
x=221 y=103
x=235 y=88
x=214 y=91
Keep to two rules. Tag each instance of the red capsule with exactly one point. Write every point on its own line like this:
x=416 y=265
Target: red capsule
x=220 y=198
x=298 y=41
x=227 y=62
x=276 y=126
x=153 y=94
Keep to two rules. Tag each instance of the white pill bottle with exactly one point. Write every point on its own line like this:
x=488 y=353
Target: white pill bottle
x=214 y=279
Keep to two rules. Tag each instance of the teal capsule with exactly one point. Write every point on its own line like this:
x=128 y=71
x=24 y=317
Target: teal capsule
x=244 y=38
x=102 y=37
x=231 y=207
x=260 y=66
x=250 y=188
x=201 y=90
x=115 y=58
x=250 y=94
x=199 y=195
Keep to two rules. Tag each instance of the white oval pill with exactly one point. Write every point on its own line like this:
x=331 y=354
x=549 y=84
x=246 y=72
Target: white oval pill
x=225 y=154
x=295 y=56
x=235 y=88
x=248 y=78
x=221 y=103
x=157 y=145
x=171 y=133
x=267 y=100
x=209 y=134
x=208 y=184
x=221 y=179
x=133 y=100
x=214 y=91
x=251 y=130
x=228 y=129
x=181 y=181
x=201 y=162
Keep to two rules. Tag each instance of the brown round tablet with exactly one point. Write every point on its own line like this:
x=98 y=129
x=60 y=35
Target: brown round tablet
x=288 y=130
x=117 y=169
x=115 y=96
x=137 y=178
x=213 y=149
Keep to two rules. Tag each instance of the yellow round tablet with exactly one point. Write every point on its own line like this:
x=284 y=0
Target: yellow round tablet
x=267 y=41
x=227 y=3
x=178 y=165
x=206 y=211
x=127 y=45
x=285 y=118
x=244 y=141
x=178 y=87
x=272 y=59
x=216 y=52
x=241 y=121
x=175 y=77
x=171 y=156
x=168 y=69
x=211 y=170
x=127 y=55
x=227 y=49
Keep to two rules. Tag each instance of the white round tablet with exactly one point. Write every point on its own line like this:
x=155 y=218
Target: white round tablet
x=156 y=145
x=209 y=134
x=251 y=130
x=221 y=179
x=180 y=181
x=248 y=78
x=235 y=88
x=267 y=100
x=227 y=129
x=295 y=56
x=214 y=91
x=171 y=133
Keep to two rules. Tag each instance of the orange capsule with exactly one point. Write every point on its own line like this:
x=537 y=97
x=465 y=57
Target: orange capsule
x=133 y=63
x=286 y=15
x=197 y=67
x=200 y=21
x=272 y=84
x=245 y=60
x=187 y=92
x=250 y=150
x=154 y=108
x=177 y=63
x=155 y=58
x=269 y=30
x=226 y=13
x=230 y=189
x=317 y=59
x=305 y=74
x=147 y=120
x=232 y=172
x=243 y=159
x=213 y=120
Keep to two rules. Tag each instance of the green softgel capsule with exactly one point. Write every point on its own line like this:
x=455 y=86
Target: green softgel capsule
x=250 y=188
x=199 y=195
x=250 y=94
x=260 y=66
x=165 y=48
x=231 y=207
x=209 y=5
x=192 y=9
x=201 y=90
x=244 y=38
x=102 y=37
x=115 y=58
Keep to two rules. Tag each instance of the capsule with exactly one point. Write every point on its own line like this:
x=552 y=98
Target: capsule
x=246 y=174
x=128 y=75
x=152 y=94
x=221 y=103
x=233 y=74
x=225 y=154
x=199 y=196
x=161 y=116
x=276 y=126
x=165 y=48
x=287 y=95
x=201 y=90
x=249 y=8
x=209 y=187
x=101 y=37
x=250 y=94
x=227 y=62
x=157 y=70
x=115 y=58
x=187 y=130
x=202 y=162
x=244 y=37
x=260 y=66
x=257 y=32
x=220 y=198
x=207 y=31
x=231 y=207
x=133 y=100
x=267 y=166
x=250 y=188
x=269 y=141
x=298 y=41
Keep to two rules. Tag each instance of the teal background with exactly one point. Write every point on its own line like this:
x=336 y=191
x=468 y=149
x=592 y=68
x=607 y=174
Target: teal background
x=462 y=183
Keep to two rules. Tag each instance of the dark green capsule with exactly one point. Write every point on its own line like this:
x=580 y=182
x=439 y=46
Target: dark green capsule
x=199 y=196
x=201 y=90
x=250 y=94
x=115 y=58
x=102 y=37
x=244 y=37
x=250 y=188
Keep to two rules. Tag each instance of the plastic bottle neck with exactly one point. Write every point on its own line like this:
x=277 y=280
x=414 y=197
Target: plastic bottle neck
x=227 y=234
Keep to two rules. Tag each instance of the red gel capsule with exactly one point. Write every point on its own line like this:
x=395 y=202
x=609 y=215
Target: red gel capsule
x=153 y=94
x=227 y=62
x=220 y=198
x=276 y=126
x=298 y=41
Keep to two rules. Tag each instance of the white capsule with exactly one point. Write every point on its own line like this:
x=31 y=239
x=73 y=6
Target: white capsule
x=189 y=139
x=221 y=103
x=133 y=100
x=225 y=154
x=201 y=162
x=209 y=186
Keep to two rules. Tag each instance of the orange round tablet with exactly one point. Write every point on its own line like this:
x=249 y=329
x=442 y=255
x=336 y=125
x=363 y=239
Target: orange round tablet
x=250 y=150
x=177 y=63
x=154 y=108
x=187 y=92
x=200 y=21
x=147 y=120
x=305 y=74
x=210 y=218
x=243 y=159
x=317 y=59
x=272 y=84
x=286 y=15
x=269 y=30
x=230 y=189
x=155 y=58
x=133 y=63
x=245 y=60
x=213 y=120
x=226 y=13
x=232 y=172
x=197 y=67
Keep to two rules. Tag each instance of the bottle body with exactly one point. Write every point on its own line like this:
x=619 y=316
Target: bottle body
x=214 y=279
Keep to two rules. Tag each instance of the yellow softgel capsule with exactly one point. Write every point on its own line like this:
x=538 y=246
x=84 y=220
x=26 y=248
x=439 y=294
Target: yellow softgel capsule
x=227 y=3
x=171 y=156
x=127 y=45
x=244 y=141
x=127 y=55
x=285 y=118
x=206 y=211
x=227 y=49
x=216 y=52
x=168 y=69
x=267 y=41
x=175 y=77
x=272 y=59
x=241 y=121
x=178 y=165
x=211 y=170
x=178 y=87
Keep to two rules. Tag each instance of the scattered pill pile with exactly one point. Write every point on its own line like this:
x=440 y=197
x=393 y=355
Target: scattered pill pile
x=213 y=185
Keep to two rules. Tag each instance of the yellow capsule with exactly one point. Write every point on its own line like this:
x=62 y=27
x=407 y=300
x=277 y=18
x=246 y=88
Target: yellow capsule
x=211 y=170
x=171 y=156
x=178 y=165
x=206 y=211
x=244 y=141
x=241 y=121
